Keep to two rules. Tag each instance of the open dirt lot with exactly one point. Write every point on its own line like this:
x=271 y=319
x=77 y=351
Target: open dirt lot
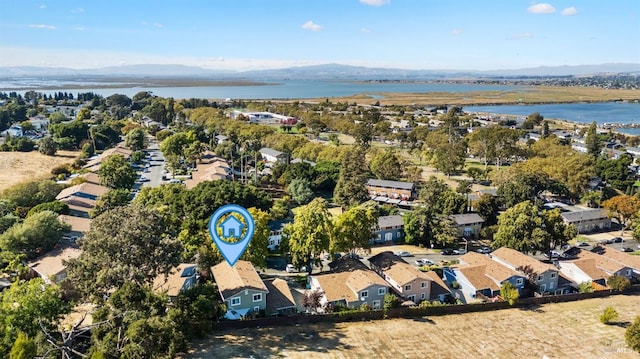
x=16 y=167
x=566 y=330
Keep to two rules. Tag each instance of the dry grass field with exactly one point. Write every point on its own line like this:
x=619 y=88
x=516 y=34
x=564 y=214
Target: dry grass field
x=16 y=167
x=565 y=330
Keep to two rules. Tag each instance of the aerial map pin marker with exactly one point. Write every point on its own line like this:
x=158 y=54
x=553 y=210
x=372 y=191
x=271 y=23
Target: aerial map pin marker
x=227 y=219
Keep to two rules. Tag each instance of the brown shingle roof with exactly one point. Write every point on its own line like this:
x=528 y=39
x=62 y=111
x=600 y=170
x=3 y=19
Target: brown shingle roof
x=86 y=187
x=347 y=285
x=601 y=261
x=279 y=296
x=91 y=177
x=437 y=284
x=494 y=269
x=174 y=282
x=517 y=259
x=588 y=266
x=233 y=280
x=51 y=263
x=620 y=257
x=476 y=276
x=405 y=273
x=78 y=224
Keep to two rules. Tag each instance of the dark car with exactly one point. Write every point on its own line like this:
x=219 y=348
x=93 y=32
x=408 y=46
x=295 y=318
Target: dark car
x=447 y=251
x=484 y=250
x=626 y=249
x=617 y=240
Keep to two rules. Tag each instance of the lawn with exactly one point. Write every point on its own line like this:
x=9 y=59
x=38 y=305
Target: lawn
x=565 y=330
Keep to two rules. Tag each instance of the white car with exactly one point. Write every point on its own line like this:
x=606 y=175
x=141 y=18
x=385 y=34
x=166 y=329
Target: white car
x=290 y=268
x=423 y=262
x=403 y=254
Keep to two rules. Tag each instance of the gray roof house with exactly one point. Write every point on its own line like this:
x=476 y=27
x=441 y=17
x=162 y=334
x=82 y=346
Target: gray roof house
x=588 y=220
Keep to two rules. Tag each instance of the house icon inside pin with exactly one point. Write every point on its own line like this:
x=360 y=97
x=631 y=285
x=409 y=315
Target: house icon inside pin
x=231 y=224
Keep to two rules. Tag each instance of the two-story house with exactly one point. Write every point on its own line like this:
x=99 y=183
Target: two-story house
x=544 y=276
x=391 y=189
x=468 y=225
x=241 y=288
x=350 y=288
x=588 y=220
x=183 y=277
x=407 y=281
x=390 y=229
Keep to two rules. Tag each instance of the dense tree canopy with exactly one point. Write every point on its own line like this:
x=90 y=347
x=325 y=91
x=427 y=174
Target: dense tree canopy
x=310 y=233
x=116 y=172
x=125 y=245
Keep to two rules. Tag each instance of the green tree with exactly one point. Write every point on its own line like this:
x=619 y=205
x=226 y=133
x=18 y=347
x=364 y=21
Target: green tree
x=445 y=231
x=521 y=228
x=623 y=208
x=111 y=199
x=54 y=206
x=300 y=190
x=619 y=283
x=475 y=173
x=353 y=229
x=257 y=251
x=488 y=208
x=124 y=245
x=116 y=172
x=23 y=348
x=32 y=193
x=632 y=335
x=351 y=186
x=509 y=293
x=310 y=233
x=136 y=139
x=592 y=141
x=386 y=165
x=24 y=305
x=47 y=146
x=38 y=233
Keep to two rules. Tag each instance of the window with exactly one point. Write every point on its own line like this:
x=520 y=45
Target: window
x=382 y=291
x=519 y=281
x=257 y=297
x=543 y=288
x=256 y=309
x=412 y=298
x=553 y=275
x=628 y=272
x=376 y=304
x=423 y=285
x=235 y=301
x=399 y=234
x=388 y=237
x=540 y=278
x=364 y=294
x=423 y=296
x=407 y=287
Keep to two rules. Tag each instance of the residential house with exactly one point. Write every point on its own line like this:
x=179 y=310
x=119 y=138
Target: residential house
x=273 y=156
x=83 y=190
x=280 y=300
x=51 y=266
x=275 y=233
x=584 y=270
x=468 y=225
x=209 y=168
x=14 y=131
x=407 y=281
x=240 y=288
x=588 y=220
x=79 y=225
x=545 y=275
x=183 y=277
x=93 y=165
x=91 y=177
x=385 y=189
x=390 y=229
x=79 y=206
x=300 y=160
x=476 y=268
x=351 y=288
x=629 y=261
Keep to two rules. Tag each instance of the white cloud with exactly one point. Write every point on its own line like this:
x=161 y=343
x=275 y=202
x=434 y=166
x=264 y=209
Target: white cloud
x=542 y=8
x=78 y=10
x=365 y=30
x=524 y=35
x=569 y=11
x=43 y=6
x=457 y=31
x=375 y=2
x=310 y=25
x=42 y=26
x=158 y=25
x=79 y=28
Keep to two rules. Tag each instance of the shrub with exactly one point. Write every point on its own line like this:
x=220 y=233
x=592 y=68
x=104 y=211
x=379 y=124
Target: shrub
x=455 y=285
x=585 y=287
x=608 y=315
x=509 y=293
x=619 y=283
x=632 y=335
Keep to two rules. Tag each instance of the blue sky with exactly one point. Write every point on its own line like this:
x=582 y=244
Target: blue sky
x=260 y=34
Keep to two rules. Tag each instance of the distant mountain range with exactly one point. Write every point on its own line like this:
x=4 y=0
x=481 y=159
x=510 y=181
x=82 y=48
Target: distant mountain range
x=328 y=71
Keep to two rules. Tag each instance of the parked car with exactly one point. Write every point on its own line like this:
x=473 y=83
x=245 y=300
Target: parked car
x=554 y=255
x=403 y=254
x=290 y=268
x=484 y=250
x=617 y=240
x=423 y=262
x=459 y=251
x=582 y=244
x=626 y=249
x=447 y=251
x=144 y=179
